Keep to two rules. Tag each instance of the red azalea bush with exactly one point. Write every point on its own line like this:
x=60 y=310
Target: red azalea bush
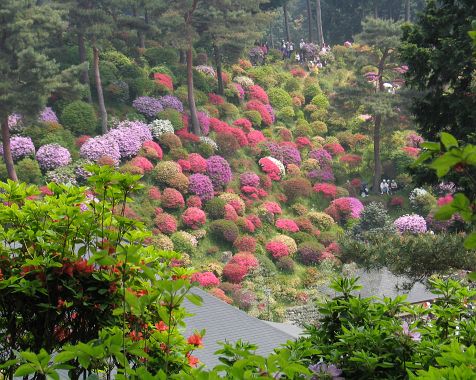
x=356 y=183
x=164 y=79
x=152 y=150
x=287 y=225
x=194 y=201
x=172 y=199
x=270 y=168
x=343 y=208
x=298 y=72
x=328 y=190
x=352 y=160
x=255 y=220
x=234 y=273
x=142 y=163
x=198 y=164
x=184 y=164
x=205 y=279
x=296 y=187
x=255 y=105
x=397 y=201
x=255 y=137
x=154 y=193
x=256 y=92
x=335 y=149
x=333 y=248
x=411 y=151
x=303 y=142
x=215 y=99
x=194 y=218
x=185 y=135
x=81 y=140
x=245 y=259
x=245 y=243
x=166 y=223
x=277 y=249
x=240 y=136
x=244 y=124
x=217 y=125
x=238 y=205
x=230 y=213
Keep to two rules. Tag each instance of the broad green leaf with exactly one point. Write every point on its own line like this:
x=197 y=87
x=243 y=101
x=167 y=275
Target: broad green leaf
x=470 y=242
x=444 y=163
x=64 y=356
x=24 y=370
x=448 y=140
x=195 y=299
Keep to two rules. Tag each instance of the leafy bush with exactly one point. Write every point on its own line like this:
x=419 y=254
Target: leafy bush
x=320 y=101
x=79 y=117
x=254 y=117
x=310 y=252
x=296 y=187
x=285 y=264
x=215 y=208
x=161 y=56
x=28 y=171
x=174 y=116
x=224 y=230
x=279 y=98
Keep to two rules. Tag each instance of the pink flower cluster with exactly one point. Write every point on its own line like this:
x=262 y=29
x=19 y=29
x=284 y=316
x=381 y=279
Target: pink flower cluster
x=215 y=99
x=270 y=168
x=343 y=208
x=52 y=156
x=273 y=208
x=445 y=200
x=20 y=147
x=244 y=124
x=172 y=199
x=205 y=279
x=255 y=137
x=166 y=223
x=287 y=225
x=194 y=218
x=334 y=149
x=152 y=150
x=267 y=116
x=277 y=249
x=256 y=92
x=414 y=224
x=142 y=163
x=328 y=190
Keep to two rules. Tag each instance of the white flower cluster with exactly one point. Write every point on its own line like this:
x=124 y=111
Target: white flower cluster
x=209 y=141
x=279 y=164
x=160 y=127
x=417 y=193
x=244 y=81
x=207 y=70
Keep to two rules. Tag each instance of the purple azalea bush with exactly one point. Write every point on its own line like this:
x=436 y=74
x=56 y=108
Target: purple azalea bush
x=414 y=224
x=270 y=109
x=100 y=146
x=322 y=175
x=322 y=156
x=325 y=371
x=138 y=128
x=48 y=116
x=290 y=155
x=20 y=147
x=204 y=122
x=14 y=121
x=52 y=156
x=249 y=179
x=356 y=206
x=170 y=101
x=202 y=186
x=147 y=106
x=129 y=143
x=219 y=171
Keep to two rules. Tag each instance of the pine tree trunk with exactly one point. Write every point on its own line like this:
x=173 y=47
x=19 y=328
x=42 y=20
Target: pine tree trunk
x=221 y=90
x=309 y=20
x=191 y=97
x=377 y=163
x=320 y=34
x=407 y=10
x=82 y=59
x=7 y=153
x=286 y=22
x=97 y=77
x=183 y=57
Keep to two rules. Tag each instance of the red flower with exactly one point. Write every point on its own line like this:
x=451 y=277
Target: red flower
x=82 y=266
x=164 y=79
x=192 y=360
x=161 y=326
x=195 y=340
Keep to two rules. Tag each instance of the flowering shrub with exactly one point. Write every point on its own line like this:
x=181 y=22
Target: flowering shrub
x=244 y=81
x=290 y=155
x=335 y=149
x=102 y=146
x=204 y=122
x=411 y=151
x=14 y=121
x=414 y=224
x=170 y=101
x=194 y=218
x=164 y=80
x=343 y=208
x=245 y=243
x=303 y=142
x=152 y=150
x=448 y=198
x=322 y=156
x=296 y=187
x=414 y=140
x=194 y=201
x=172 y=199
x=207 y=70
x=227 y=144
x=328 y=190
x=256 y=92
x=52 y=156
x=230 y=213
x=277 y=249
x=165 y=170
x=147 y=106
x=234 y=273
x=219 y=171
x=245 y=259
x=272 y=207
x=48 y=116
x=310 y=253
x=273 y=167
x=20 y=147
x=255 y=137
x=205 y=279
x=197 y=163
x=128 y=142
x=220 y=294
x=267 y=116
x=352 y=160
x=161 y=127
x=202 y=186
x=138 y=128
x=215 y=99
x=287 y=225
x=244 y=124
x=298 y=72
x=154 y=193
x=166 y=223
x=224 y=230
x=249 y=179
x=143 y=163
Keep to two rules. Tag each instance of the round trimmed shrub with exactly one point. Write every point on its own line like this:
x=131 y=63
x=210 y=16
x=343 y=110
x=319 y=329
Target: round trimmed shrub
x=285 y=264
x=172 y=199
x=184 y=242
x=202 y=186
x=219 y=171
x=52 y=156
x=320 y=101
x=224 y=230
x=245 y=243
x=279 y=98
x=309 y=253
x=296 y=187
x=166 y=223
x=227 y=144
x=234 y=273
x=28 y=171
x=165 y=170
x=194 y=218
x=79 y=117
x=215 y=208
x=174 y=116
x=254 y=117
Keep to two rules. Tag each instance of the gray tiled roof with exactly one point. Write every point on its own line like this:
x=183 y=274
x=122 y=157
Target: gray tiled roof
x=222 y=321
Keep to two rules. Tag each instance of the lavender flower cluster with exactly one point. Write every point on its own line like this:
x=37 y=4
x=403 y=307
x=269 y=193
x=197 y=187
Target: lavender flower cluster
x=204 y=122
x=414 y=224
x=20 y=147
x=322 y=175
x=202 y=186
x=322 y=156
x=147 y=106
x=290 y=155
x=101 y=146
x=249 y=179
x=139 y=128
x=52 y=156
x=170 y=101
x=14 y=121
x=48 y=116
x=219 y=171
x=129 y=136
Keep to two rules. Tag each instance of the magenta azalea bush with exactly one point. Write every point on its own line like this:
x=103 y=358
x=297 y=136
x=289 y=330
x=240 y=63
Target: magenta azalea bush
x=204 y=122
x=202 y=186
x=249 y=179
x=21 y=147
x=322 y=156
x=414 y=224
x=147 y=106
x=99 y=147
x=52 y=156
x=206 y=279
x=219 y=171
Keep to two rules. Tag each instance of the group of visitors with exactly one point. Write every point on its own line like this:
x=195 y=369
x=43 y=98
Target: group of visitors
x=287 y=49
x=388 y=187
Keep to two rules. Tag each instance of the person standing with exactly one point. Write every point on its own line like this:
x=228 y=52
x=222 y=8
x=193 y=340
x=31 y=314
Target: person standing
x=298 y=58
x=291 y=49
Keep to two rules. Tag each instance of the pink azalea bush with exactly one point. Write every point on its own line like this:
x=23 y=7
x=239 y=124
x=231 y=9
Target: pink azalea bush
x=414 y=224
x=287 y=225
x=166 y=223
x=98 y=147
x=205 y=279
x=52 y=156
x=172 y=199
x=277 y=249
x=194 y=218
x=152 y=150
x=219 y=171
x=343 y=208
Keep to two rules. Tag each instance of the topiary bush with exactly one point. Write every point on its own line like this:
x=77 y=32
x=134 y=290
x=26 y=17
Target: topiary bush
x=224 y=230
x=215 y=208
x=79 y=117
x=279 y=98
x=309 y=253
x=285 y=264
x=161 y=56
x=174 y=116
x=297 y=187
x=28 y=171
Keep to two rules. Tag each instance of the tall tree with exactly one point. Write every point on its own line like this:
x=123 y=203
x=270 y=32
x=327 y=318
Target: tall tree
x=437 y=49
x=309 y=20
x=27 y=74
x=286 y=21
x=383 y=37
x=320 y=34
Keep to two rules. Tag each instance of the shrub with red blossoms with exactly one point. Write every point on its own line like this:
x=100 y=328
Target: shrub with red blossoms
x=166 y=223
x=245 y=259
x=184 y=164
x=81 y=140
x=343 y=208
x=220 y=294
x=154 y=193
x=328 y=190
x=448 y=198
x=397 y=201
x=255 y=220
x=194 y=201
x=172 y=199
x=335 y=149
x=352 y=160
x=255 y=137
x=303 y=142
x=277 y=249
x=184 y=134
x=272 y=168
x=245 y=243
x=411 y=151
x=197 y=163
x=194 y=218
x=267 y=116
x=142 y=163
x=287 y=225
x=164 y=79
x=230 y=213
x=217 y=125
x=205 y=279
x=244 y=124
x=215 y=99
x=333 y=248
x=240 y=136
x=273 y=208
x=298 y=72
x=152 y=149
x=356 y=183
x=257 y=92
x=234 y=273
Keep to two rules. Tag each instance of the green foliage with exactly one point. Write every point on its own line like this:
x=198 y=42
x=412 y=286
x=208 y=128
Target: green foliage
x=224 y=230
x=321 y=101
x=174 y=116
x=79 y=117
x=375 y=218
x=161 y=56
x=29 y=171
x=215 y=208
x=254 y=117
x=279 y=98
x=311 y=90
